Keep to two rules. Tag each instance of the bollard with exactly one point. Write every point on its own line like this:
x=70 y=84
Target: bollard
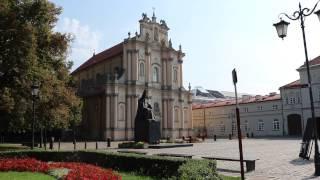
x=45 y=143
x=247 y=135
x=183 y=138
x=59 y=144
x=190 y=138
x=230 y=137
x=85 y=144
x=202 y=138
x=96 y=145
x=215 y=137
x=108 y=142
x=74 y=145
x=51 y=143
x=252 y=134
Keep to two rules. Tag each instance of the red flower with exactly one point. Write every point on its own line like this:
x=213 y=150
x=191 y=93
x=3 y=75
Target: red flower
x=76 y=170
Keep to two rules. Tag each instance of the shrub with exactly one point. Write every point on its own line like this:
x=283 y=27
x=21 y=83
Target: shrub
x=198 y=170
x=135 y=145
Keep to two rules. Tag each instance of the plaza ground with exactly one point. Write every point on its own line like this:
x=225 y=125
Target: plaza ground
x=277 y=158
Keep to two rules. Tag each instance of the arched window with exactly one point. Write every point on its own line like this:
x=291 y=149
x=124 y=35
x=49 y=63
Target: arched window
x=121 y=112
x=155 y=74
x=176 y=114
x=175 y=75
x=156 y=107
x=185 y=115
x=141 y=69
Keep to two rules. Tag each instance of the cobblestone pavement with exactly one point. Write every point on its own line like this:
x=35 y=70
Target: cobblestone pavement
x=277 y=157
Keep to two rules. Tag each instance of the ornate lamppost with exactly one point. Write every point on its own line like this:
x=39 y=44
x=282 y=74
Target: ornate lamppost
x=35 y=93
x=281 y=28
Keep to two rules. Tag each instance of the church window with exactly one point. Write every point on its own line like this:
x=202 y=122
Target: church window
x=155 y=74
x=176 y=114
x=185 y=115
x=156 y=36
x=175 y=75
x=141 y=69
x=121 y=112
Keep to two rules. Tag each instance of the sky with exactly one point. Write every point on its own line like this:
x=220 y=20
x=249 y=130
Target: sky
x=216 y=35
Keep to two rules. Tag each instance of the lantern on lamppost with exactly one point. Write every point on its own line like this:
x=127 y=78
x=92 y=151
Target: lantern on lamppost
x=35 y=94
x=281 y=28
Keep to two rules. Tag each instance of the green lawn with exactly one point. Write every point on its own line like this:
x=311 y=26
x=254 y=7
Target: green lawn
x=230 y=177
x=24 y=176
x=133 y=176
x=10 y=147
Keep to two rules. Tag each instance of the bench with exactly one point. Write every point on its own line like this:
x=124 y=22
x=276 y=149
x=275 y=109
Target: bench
x=175 y=155
x=250 y=163
x=133 y=152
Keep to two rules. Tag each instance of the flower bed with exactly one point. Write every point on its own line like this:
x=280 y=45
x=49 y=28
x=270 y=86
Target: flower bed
x=76 y=170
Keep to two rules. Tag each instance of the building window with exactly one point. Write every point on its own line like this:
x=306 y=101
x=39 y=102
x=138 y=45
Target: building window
x=276 y=125
x=175 y=75
x=185 y=115
x=245 y=109
x=259 y=108
x=292 y=100
x=141 y=69
x=246 y=125
x=274 y=107
x=121 y=112
x=260 y=125
x=222 y=127
x=155 y=74
x=234 y=126
x=176 y=115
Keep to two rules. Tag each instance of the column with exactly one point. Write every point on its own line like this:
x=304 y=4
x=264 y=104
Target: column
x=128 y=116
x=165 y=113
x=148 y=67
x=129 y=65
x=134 y=65
x=108 y=116
x=180 y=75
x=170 y=114
x=164 y=72
x=169 y=72
x=182 y=116
x=114 y=111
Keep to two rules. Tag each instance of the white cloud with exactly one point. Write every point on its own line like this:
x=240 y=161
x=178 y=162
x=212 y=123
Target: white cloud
x=85 y=42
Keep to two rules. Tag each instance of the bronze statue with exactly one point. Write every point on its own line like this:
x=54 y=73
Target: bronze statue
x=147 y=129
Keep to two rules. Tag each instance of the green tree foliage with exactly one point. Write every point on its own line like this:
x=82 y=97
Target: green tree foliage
x=31 y=51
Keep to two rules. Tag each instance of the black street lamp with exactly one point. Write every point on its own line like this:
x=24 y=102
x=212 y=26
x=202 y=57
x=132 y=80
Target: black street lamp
x=282 y=32
x=35 y=93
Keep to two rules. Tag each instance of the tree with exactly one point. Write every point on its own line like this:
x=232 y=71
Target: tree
x=31 y=51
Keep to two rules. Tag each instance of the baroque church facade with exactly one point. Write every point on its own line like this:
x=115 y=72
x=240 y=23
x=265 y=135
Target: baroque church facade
x=112 y=81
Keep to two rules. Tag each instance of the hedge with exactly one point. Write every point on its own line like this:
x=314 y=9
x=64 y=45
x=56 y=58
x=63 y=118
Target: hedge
x=163 y=167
